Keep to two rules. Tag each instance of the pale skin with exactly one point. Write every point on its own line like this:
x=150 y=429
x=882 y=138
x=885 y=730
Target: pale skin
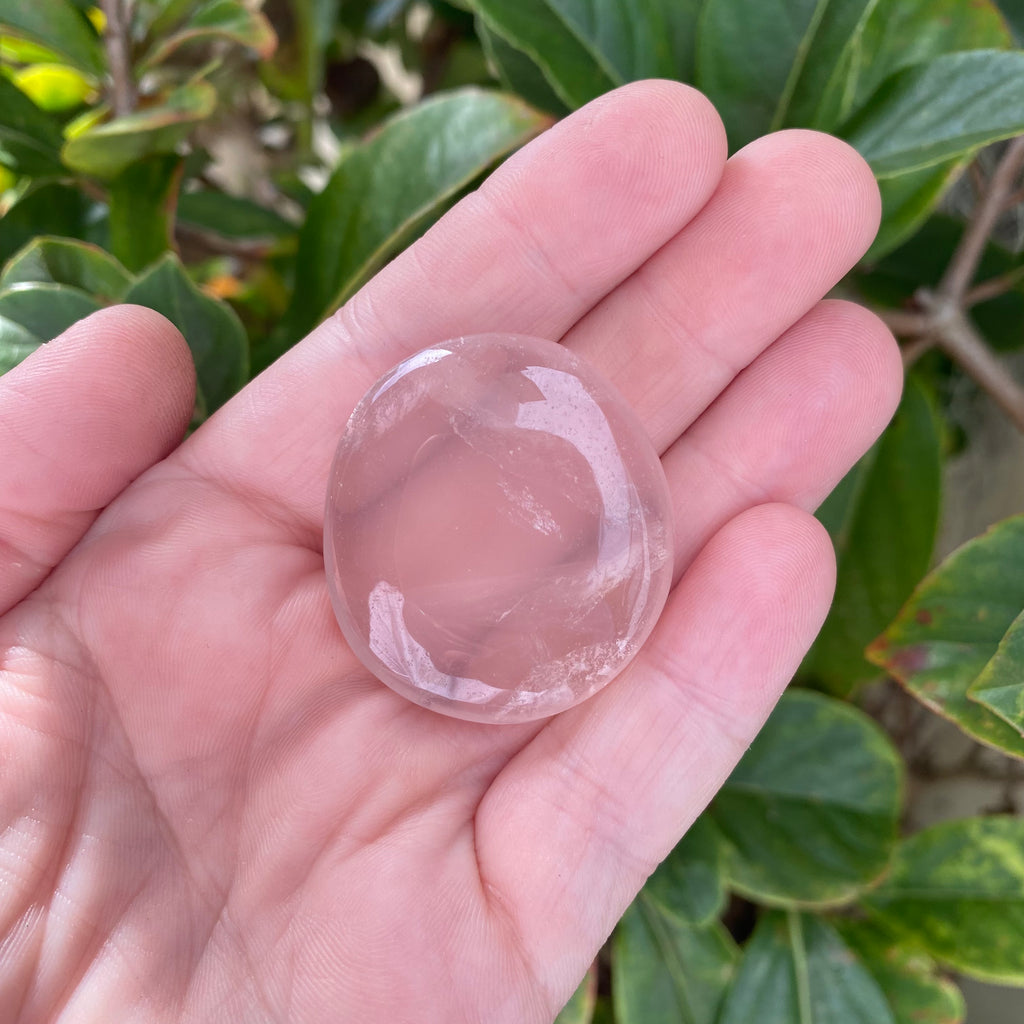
x=210 y=811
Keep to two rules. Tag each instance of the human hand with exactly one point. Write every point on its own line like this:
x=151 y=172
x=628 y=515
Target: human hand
x=210 y=810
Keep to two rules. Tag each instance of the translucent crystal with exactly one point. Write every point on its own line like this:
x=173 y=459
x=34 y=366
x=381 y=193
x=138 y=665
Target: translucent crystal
x=498 y=534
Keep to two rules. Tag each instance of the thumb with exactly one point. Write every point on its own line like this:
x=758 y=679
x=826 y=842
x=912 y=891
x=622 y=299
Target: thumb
x=80 y=419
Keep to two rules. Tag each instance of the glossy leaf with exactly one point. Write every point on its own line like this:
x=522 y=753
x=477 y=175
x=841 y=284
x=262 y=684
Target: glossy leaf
x=810 y=812
x=908 y=200
x=71 y=262
x=45 y=310
x=211 y=328
x=769 y=63
x=232 y=217
x=900 y=33
x=797 y=970
x=518 y=72
x=665 y=971
x=952 y=626
x=690 y=881
x=915 y=991
x=371 y=200
x=59 y=26
x=532 y=26
x=54 y=87
x=580 y=1008
x=218 y=19
x=927 y=114
x=30 y=139
x=882 y=519
x=16 y=343
x=142 y=204
x=109 y=148
x=957 y=891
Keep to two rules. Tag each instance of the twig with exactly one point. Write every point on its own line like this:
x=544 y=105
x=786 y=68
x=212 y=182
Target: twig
x=905 y=324
x=118 y=42
x=913 y=350
x=956 y=336
x=964 y=263
x=993 y=287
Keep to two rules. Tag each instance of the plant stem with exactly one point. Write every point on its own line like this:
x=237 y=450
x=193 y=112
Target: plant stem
x=956 y=336
x=964 y=264
x=993 y=287
x=118 y=43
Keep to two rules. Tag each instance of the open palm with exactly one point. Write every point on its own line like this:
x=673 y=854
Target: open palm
x=210 y=811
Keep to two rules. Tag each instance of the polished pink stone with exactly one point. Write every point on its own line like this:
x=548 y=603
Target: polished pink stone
x=498 y=532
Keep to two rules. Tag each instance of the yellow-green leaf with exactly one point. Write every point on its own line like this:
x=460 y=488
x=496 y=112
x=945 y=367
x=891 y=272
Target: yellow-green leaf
x=59 y=26
x=54 y=86
x=107 y=149
x=957 y=891
x=952 y=627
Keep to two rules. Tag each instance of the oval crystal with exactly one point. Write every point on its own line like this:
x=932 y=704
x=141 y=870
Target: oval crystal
x=498 y=533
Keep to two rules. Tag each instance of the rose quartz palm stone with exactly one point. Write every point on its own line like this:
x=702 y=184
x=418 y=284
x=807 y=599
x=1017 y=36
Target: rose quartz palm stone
x=498 y=535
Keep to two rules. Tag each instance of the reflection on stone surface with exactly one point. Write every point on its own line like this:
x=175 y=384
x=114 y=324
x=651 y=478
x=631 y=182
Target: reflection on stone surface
x=498 y=534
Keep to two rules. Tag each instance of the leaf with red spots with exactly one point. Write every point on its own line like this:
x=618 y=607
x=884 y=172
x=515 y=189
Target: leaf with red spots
x=958 y=643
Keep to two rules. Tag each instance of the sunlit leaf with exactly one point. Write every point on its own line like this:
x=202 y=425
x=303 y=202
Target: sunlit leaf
x=54 y=87
x=60 y=27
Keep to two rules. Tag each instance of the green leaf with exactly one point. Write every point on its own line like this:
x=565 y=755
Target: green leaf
x=930 y=113
x=689 y=882
x=586 y=47
x=211 y=328
x=70 y=262
x=900 y=33
x=922 y=261
x=232 y=217
x=580 y=1008
x=810 y=812
x=907 y=201
x=218 y=19
x=30 y=139
x=957 y=891
x=518 y=72
x=665 y=971
x=952 y=626
x=43 y=309
x=882 y=519
x=1000 y=687
x=371 y=200
x=797 y=970
x=766 y=64
x=109 y=148
x=915 y=991
x=59 y=26
x=16 y=344
x=575 y=73
x=142 y=203
x=45 y=208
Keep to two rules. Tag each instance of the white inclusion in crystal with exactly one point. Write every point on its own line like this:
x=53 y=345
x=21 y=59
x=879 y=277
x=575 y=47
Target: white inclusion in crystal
x=391 y=641
x=587 y=430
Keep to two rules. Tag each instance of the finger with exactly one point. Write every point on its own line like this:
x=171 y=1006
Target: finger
x=789 y=427
x=550 y=233
x=580 y=818
x=792 y=214
x=79 y=420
